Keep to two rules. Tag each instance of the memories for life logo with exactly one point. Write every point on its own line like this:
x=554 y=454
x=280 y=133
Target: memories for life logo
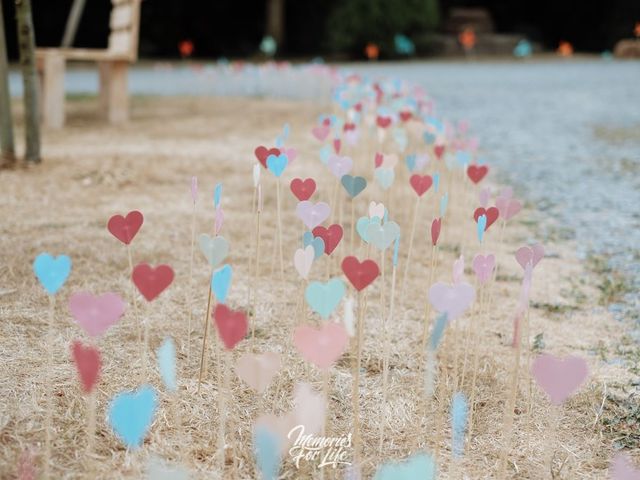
x=327 y=451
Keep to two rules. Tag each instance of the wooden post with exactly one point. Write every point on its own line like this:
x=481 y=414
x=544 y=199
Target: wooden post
x=53 y=89
x=114 y=97
x=26 y=44
x=7 y=150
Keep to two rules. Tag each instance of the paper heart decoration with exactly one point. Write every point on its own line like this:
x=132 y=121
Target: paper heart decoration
x=303 y=259
x=410 y=160
x=481 y=226
x=451 y=299
x=303 y=189
x=167 y=364
x=389 y=161
x=377 y=160
x=383 y=122
x=477 y=172
x=95 y=314
x=506 y=193
x=491 y=213
x=420 y=466
x=331 y=236
x=362 y=226
x=352 y=136
x=220 y=283
x=262 y=153
x=458 y=270
x=310 y=408
x=429 y=138
x=257 y=370
x=438 y=150
x=508 y=208
x=322 y=346
x=323 y=298
x=337 y=144
x=622 y=469
x=150 y=281
x=131 y=413
x=87 y=360
x=277 y=163
x=316 y=242
x=376 y=210
x=158 y=469
x=384 y=177
x=559 y=377
x=125 y=228
x=382 y=236
x=405 y=116
x=400 y=137
x=353 y=185
x=360 y=274
x=325 y=153
x=232 y=325
x=463 y=158
x=267 y=448
x=312 y=214
x=321 y=132
x=214 y=249
x=483 y=266
x=279 y=427
x=340 y=166
x=530 y=254
x=52 y=271
x=290 y=152
x=436 y=225
x=421 y=183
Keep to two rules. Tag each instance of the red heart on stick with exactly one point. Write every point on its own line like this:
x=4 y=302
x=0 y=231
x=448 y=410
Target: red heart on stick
x=435 y=230
x=87 y=360
x=331 y=236
x=150 y=281
x=303 y=189
x=262 y=153
x=421 y=183
x=477 y=172
x=491 y=213
x=232 y=325
x=439 y=151
x=378 y=159
x=360 y=274
x=125 y=228
x=405 y=116
x=337 y=144
x=383 y=122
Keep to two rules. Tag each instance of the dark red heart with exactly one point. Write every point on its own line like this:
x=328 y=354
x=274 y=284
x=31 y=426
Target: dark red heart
x=378 y=159
x=383 y=122
x=421 y=183
x=336 y=145
x=439 y=151
x=491 y=213
x=331 y=236
x=150 y=281
x=477 y=172
x=349 y=126
x=303 y=189
x=87 y=360
x=232 y=325
x=326 y=122
x=405 y=116
x=358 y=107
x=262 y=153
x=360 y=274
x=435 y=230
x=125 y=228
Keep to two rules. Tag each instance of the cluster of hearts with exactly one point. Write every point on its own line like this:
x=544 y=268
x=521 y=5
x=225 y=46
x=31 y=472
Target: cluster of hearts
x=381 y=110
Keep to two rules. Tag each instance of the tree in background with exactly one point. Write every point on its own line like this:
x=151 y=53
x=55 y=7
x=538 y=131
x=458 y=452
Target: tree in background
x=356 y=23
x=26 y=45
x=7 y=151
x=275 y=21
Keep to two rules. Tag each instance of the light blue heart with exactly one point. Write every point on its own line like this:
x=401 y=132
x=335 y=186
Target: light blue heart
x=167 y=364
x=325 y=153
x=323 y=298
x=131 y=413
x=316 y=242
x=482 y=223
x=220 y=282
x=51 y=271
x=277 y=164
x=382 y=236
x=267 y=449
x=429 y=138
x=400 y=137
x=459 y=410
x=436 y=182
x=444 y=201
x=463 y=158
x=410 y=160
x=385 y=177
x=217 y=194
x=353 y=185
x=420 y=465
x=362 y=226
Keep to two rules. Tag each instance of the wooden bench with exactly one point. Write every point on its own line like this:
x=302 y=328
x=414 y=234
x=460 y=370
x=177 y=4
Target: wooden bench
x=113 y=63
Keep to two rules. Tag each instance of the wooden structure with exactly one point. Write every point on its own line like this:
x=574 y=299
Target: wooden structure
x=113 y=63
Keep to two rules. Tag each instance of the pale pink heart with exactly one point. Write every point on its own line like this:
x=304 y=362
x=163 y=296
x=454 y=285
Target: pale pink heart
x=458 y=270
x=95 y=314
x=533 y=254
x=390 y=160
x=508 y=208
x=421 y=161
x=309 y=409
x=279 y=426
x=351 y=137
x=622 y=469
x=290 y=152
x=472 y=144
x=340 y=166
x=376 y=210
x=303 y=259
x=258 y=370
x=506 y=193
x=321 y=132
x=452 y=299
x=484 y=196
x=483 y=265
x=322 y=346
x=312 y=214
x=559 y=377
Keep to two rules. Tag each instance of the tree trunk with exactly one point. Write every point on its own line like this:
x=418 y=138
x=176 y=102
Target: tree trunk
x=7 y=151
x=275 y=20
x=26 y=44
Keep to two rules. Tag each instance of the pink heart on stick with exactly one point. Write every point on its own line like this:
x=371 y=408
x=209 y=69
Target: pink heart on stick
x=323 y=346
x=340 y=166
x=508 y=207
x=483 y=266
x=559 y=377
x=95 y=314
x=312 y=214
x=321 y=132
x=622 y=468
x=452 y=299
x=257 y=371
x=530 y=254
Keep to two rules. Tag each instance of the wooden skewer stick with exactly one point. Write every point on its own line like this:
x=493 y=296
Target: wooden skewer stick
x=256 y=272
x=207 y=319
x=134 y=297
x=190 y=286
x=280 y=247
x=362 y=305
x=413 y=232
x=49 y=388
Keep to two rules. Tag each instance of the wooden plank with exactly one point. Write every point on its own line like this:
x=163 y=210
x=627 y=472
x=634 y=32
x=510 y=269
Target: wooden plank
x=81 y=54
x=120 y=42
x=53 y=90
x=121 y=17
x=114 y=94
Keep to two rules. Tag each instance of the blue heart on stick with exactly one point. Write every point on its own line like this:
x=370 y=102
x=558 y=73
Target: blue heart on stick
x=51 y=271
x=277 y=164
x=482 y=224
x=362 y=226
x=323 y=298
x=316 y=242
x=353 y=185
x=420 y=465
x=131 y=414
x=220 y=282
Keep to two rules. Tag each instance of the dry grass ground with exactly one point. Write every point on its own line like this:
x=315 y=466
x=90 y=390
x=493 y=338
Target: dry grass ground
x=92 y=171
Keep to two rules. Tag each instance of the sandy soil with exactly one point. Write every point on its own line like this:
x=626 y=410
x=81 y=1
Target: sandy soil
x=92 y=171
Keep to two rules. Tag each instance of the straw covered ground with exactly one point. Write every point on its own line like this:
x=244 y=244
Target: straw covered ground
x=91 y=171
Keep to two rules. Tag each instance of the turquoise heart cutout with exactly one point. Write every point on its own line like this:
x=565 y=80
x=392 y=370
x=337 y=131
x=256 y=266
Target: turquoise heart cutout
x=420 y=465
x=429 y=138
x=316 y=242
x=463 y=158
x=277 y=164
x=444 y=200
x=400 y=137
x=353 y=185
x=436 y=181
x=51 y=271
x=267 y=449
x=220 y=283
x=167 y=364
x=325 y=153
x=382 y=236
x=482 y=223
x=410 y=160
x=131 y=413
x=323 y=298
x=362 y=225
x=385 y=177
